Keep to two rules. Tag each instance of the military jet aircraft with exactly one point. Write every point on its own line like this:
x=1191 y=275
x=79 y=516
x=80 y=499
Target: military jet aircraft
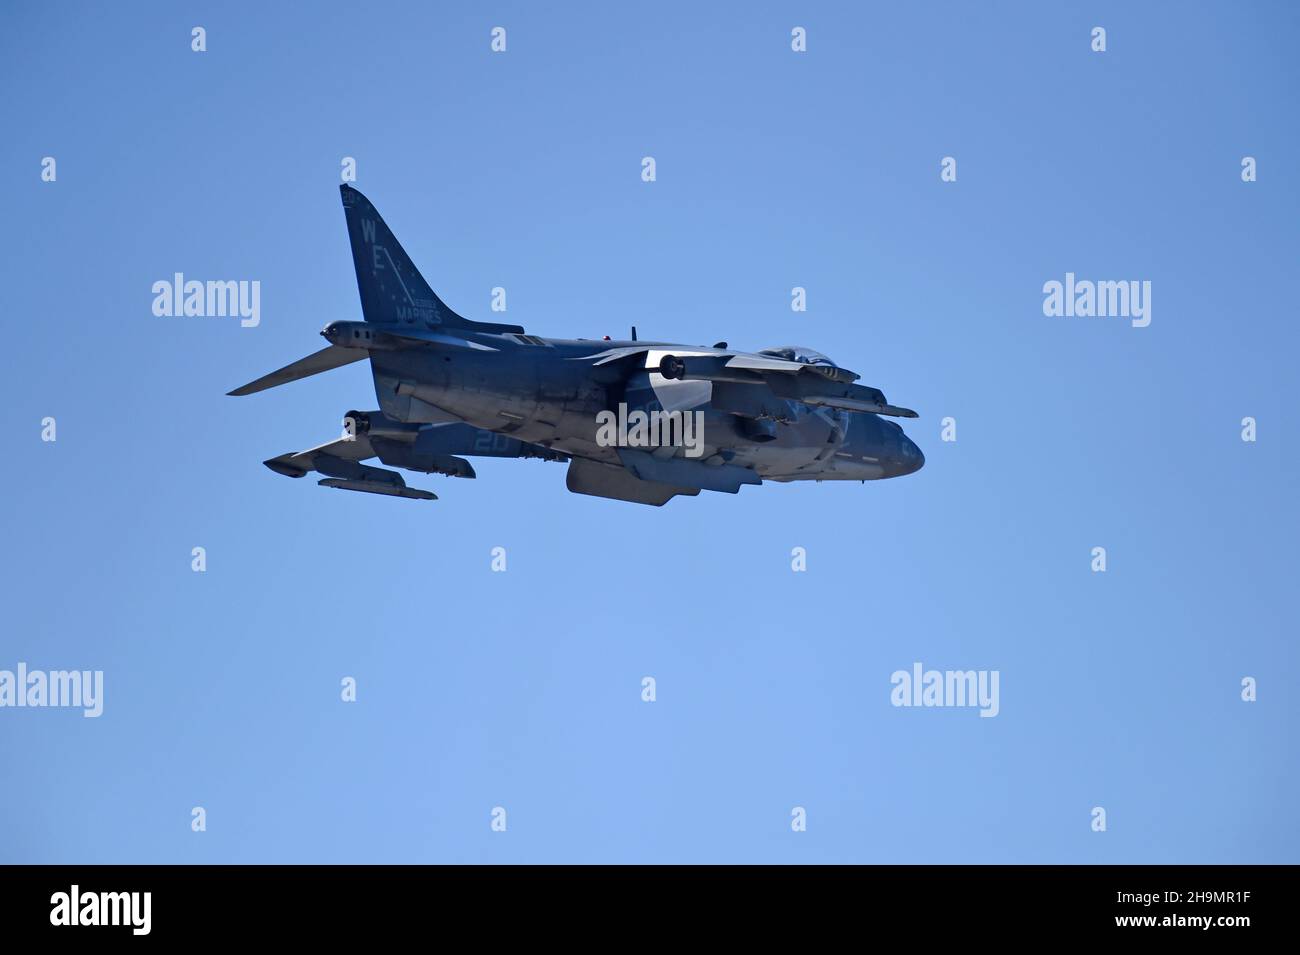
x=639 y=421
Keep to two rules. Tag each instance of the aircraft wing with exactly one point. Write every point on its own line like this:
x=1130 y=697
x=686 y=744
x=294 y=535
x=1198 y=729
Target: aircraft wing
x=431 y=448
x=340 y=462
x=767 y=363
x=813 y=384
x=297 y=463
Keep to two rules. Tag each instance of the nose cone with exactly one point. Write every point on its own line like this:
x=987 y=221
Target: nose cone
x=916 y=460
x=908 y=459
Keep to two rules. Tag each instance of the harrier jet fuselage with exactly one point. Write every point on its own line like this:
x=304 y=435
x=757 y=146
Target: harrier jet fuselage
x=635 y=420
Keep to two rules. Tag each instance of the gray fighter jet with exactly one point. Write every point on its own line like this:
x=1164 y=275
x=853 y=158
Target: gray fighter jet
x=638 y=421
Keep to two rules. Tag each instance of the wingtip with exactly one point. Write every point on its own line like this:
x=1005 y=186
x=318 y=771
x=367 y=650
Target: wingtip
x=280 y=466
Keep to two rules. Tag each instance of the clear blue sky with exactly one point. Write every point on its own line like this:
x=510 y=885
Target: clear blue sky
x=522 y=689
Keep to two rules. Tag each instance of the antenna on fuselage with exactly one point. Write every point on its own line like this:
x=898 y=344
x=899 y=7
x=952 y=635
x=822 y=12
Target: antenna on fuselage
x=633 y=333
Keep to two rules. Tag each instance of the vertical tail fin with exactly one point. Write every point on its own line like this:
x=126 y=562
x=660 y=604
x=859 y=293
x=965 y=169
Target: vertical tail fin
x=392 y=288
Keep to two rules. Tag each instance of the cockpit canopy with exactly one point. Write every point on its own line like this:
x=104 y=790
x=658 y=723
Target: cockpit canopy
x=805 y=356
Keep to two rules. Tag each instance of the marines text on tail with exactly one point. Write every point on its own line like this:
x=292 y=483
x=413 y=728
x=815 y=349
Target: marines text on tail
x=635 y=420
